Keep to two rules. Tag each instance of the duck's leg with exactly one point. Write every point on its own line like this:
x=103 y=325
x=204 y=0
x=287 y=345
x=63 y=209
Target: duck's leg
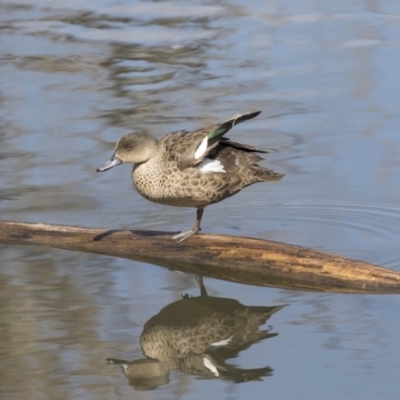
x=180 y=237
x=203 y=291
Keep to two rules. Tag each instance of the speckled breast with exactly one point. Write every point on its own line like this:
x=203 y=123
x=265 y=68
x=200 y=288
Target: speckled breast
x=168 y=185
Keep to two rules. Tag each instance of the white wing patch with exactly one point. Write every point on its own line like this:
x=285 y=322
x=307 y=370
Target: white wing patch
x=222 y=342
x=209 y=365
x=211 y=166
x=201 y=149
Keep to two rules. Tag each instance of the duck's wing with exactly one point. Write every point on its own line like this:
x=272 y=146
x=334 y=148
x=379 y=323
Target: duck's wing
x=189 y=149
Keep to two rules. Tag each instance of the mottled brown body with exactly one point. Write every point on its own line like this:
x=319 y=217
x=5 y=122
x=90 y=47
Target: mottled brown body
x=195 y=189
x=166 y=179
x=194 y=324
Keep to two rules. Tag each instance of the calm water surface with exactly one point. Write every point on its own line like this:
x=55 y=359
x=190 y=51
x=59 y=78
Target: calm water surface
x=76 y=75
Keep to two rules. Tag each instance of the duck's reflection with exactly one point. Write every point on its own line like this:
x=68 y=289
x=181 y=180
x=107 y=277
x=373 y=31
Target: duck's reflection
x=196 y=335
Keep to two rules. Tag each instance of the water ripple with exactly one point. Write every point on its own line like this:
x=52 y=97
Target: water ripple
x=376 y=218
x=370 y=227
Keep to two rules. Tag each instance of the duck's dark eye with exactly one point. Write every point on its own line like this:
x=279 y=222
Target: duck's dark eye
x=128 y=147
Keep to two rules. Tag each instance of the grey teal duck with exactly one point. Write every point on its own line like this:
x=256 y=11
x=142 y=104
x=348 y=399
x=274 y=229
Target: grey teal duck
x=191 y=169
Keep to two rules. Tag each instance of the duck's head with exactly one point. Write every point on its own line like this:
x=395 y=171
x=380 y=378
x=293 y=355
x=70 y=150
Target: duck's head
x=134 y=148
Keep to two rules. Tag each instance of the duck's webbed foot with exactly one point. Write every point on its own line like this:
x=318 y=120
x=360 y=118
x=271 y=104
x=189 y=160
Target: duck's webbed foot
x=180 y=237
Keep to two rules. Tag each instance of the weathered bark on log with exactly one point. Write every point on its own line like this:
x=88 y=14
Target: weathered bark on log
x=232 y=258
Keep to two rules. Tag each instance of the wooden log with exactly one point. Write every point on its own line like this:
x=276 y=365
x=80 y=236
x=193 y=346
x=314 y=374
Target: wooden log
x=232 y=258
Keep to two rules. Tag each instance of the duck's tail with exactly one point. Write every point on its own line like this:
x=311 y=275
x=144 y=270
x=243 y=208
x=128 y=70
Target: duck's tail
x=265 y=174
